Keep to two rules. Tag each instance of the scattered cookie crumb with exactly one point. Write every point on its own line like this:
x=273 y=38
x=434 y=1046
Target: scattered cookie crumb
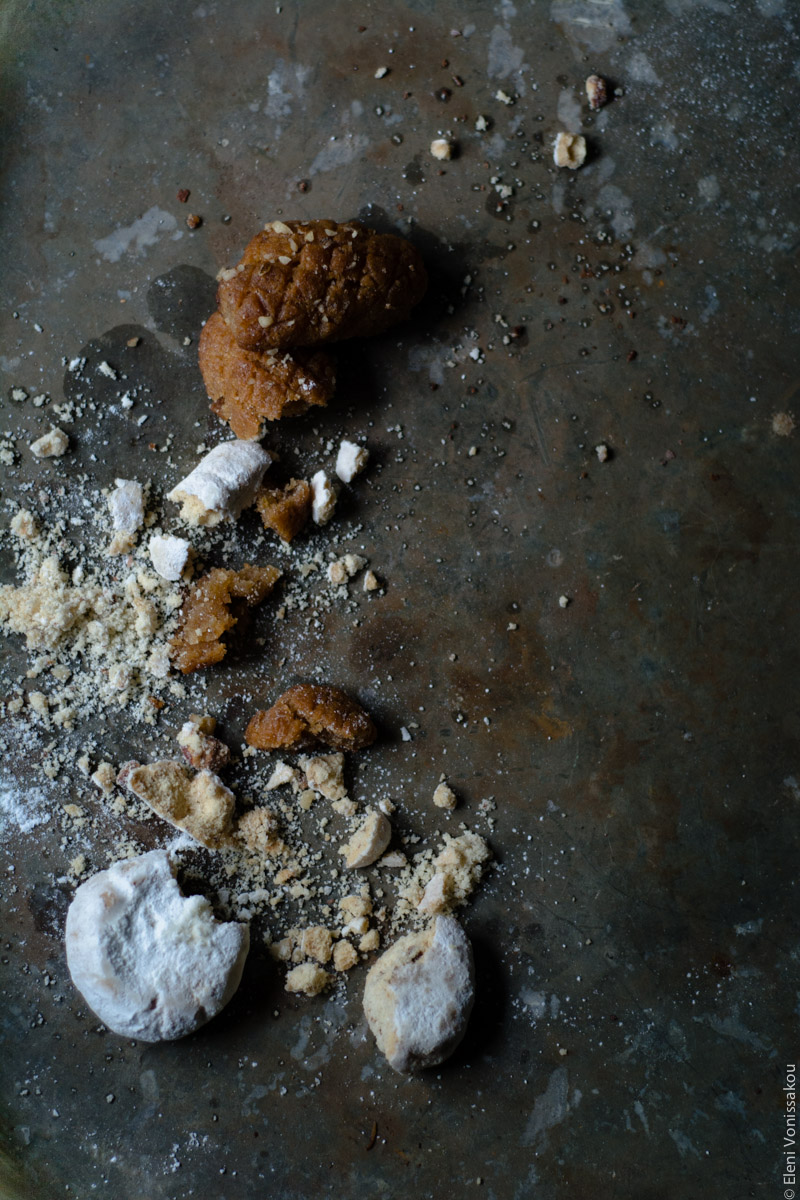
x=51 y=444
x=569 y=150
x=442 y=149
x=444 y=796
x=307 y=980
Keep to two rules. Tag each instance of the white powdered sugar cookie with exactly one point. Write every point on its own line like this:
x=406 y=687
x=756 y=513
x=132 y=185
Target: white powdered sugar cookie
x=222 y=484
x=151 y=963
x=419 y=995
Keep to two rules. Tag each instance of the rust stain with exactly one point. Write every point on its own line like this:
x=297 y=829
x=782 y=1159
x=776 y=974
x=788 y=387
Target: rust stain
x=549 y=724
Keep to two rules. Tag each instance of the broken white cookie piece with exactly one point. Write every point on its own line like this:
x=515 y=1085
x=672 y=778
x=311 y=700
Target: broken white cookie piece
x=325 y=774
x=438 y=896
x=368 y=842
x=282 y=774
x=419 y=995
x=126 y=506
x=198 y=745
x=222 y=484
x=169 y=555
x=200 y=805
x=569 y=150
x=323 y=498
x=350 y=460
x=307 y=979
x=51 y=444
x=151 y=963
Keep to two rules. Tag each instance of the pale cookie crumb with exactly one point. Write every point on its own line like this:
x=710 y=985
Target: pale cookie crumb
x=23 y=525
x=355 y=906
x=563 y=601
x=369 y=942
x=368 y=842
x=371 y=582
x=444 y=796
x=442 y=149
x=569 y=150
x=350 y=460
x=258 y=830
x=126 y=505
x=283 y=774
x=344 y=956
x=201 y=805
x=345 y=807
x=325 y=774
x=316 y=942
x=345 y=568
x=381 y=72
x=306 y=799
x=51 y=444
x=307 y=980
x=105 y=777
x=437 y=897
x=602 y=451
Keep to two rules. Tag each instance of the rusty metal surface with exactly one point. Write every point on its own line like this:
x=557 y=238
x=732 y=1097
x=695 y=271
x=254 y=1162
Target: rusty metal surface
x=636 y=944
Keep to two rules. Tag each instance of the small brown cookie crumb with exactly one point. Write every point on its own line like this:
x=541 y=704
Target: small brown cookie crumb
x=308 y=715
x=285 y=510
x=214 y=605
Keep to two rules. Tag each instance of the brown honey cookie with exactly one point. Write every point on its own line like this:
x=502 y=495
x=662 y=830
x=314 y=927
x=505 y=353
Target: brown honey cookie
x=248 y=389
x=300 y=283
x=310 y=715
x=286 y=509
x=214 y=606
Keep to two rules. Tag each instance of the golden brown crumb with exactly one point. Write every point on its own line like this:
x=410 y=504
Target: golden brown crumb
x=248 y=388
x=286 y=509
x=207 y=612
x=301 y=283
x=311 y=714
x=258 y=829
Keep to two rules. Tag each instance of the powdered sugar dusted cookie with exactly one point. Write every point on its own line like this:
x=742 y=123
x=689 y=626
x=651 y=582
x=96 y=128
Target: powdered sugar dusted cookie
x=419 y=995
x=223 y=483
x=151 y=963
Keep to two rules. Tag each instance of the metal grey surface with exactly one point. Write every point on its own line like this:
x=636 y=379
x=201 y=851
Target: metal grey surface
x=636 y=945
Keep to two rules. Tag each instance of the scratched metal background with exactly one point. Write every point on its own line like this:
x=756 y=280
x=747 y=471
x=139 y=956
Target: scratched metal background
x=637 y=945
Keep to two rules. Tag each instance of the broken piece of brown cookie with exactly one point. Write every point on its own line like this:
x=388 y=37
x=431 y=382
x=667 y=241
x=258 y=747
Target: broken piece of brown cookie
x=247 y=389
x=214 y=606
x=301 y=283
x=311 y=715
x=286 y=509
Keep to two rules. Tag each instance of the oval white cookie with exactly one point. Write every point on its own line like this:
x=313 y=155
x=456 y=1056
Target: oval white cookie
x=151 y=963
x=419 y=995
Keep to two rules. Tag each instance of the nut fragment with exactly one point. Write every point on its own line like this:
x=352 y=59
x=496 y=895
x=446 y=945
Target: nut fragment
x=419 y=995
x=200 y=805
x=569 y=150
x=308 y=715
x=248 y=389
x=596 y=91
x=349 y=281
x=199 y=747
x=214 y=605
x=368 y=842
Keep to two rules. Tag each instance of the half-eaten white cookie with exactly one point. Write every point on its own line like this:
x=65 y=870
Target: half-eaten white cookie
x=419 y=995
x=151 y=963
x=222 y=484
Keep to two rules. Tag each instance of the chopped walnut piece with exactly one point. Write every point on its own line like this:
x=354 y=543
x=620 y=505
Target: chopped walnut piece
x=311 y=714
x=200 y=805
x=199 y=747
x=349 y=281
x=249 y=388
x=214 y=605
x=286 y=509
x=596 y=91
x=307 y=979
